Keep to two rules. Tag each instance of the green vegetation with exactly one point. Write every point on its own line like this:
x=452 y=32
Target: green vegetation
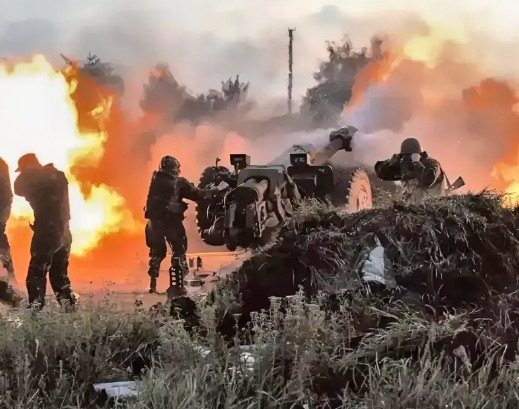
x=295 y=328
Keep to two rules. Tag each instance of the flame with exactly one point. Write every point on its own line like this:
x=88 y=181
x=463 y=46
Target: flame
x=38 y=114
x=376 y=72
x=428 y=48
x=508 y=173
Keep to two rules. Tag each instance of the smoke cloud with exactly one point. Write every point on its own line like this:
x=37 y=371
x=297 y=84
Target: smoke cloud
x=448 y=83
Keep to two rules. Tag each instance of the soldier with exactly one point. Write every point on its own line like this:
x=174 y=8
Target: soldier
x=6 y=200
x=46 y=190
x=421 y=175
x=165 y=213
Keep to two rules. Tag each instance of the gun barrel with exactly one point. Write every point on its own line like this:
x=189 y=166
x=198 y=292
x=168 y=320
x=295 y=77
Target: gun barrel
x=325 y=154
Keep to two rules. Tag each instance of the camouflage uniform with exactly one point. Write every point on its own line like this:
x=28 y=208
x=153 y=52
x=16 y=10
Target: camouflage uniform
x=165 y=213
x=6 y=200
x=46 y=190
x=421 y=176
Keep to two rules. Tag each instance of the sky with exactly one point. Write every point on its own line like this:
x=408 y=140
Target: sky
x=206 y=41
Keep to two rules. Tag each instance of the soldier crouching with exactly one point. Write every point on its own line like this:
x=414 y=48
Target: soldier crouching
x=46 y=190
x=165 y=213
x=421 y=176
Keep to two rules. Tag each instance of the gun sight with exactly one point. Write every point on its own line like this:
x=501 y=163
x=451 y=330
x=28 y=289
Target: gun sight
x=239 y=160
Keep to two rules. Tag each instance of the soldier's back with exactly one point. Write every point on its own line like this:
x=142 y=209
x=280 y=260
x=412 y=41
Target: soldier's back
x=46 y=190
x=162 y=188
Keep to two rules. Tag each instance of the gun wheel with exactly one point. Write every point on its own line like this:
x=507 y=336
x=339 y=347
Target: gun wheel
x=353 y=190
x=205 y=217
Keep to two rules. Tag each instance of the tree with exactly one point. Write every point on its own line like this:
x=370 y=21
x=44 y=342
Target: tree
x=163 y=94
x=325 y=101
x=96 y=89
x=103 y=73
x=231 y=96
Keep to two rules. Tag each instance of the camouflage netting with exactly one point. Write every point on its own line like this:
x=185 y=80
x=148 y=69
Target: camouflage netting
x=456 y=307
x=448 y=252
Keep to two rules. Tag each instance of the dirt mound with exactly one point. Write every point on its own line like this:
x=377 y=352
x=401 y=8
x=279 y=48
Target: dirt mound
x=456 y=258
x=448 y=252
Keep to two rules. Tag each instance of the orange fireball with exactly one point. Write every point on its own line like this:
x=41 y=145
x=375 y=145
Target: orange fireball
x=37 y=114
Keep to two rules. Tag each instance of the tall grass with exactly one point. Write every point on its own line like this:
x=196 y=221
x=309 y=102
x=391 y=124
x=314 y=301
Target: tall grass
x=313 y=349
x=348 y=352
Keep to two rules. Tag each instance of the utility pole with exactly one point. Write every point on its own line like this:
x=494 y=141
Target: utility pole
x=290 y=61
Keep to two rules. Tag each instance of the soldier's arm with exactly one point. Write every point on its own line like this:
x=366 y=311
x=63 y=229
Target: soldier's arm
x=66 y=198
x=6 y=192
x=388 y=169
x=188 y=190
x=430 y=173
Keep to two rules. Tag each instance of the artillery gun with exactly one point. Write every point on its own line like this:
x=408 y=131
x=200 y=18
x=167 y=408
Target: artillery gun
x=255 y=199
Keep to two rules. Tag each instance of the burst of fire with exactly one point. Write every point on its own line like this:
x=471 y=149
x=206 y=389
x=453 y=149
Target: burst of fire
x=508 y=174
x=37 y=114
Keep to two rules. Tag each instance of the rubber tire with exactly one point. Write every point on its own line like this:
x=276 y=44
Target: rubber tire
x=209 y=175
x=350 y=184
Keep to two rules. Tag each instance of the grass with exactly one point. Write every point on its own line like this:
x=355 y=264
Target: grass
x=281 y=334
x=362 y=353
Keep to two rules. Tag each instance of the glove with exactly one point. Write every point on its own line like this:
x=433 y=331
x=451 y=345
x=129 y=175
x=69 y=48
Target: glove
x=417 y=167
x=395 y=159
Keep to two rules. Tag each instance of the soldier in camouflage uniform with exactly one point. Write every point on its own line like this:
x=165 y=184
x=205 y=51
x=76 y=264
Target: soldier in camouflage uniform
x=6 y=200
x=46 y=190
x=421 y=176
x=165 y=213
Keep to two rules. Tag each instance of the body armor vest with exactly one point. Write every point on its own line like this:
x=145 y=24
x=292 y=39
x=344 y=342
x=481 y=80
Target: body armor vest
x=163 y=201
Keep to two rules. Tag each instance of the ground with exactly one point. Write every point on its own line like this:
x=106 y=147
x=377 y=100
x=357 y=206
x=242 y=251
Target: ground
x=281 y=331
x=215 y=266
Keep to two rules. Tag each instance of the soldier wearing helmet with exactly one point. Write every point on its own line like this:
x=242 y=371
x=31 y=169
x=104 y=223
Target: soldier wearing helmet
x=46 y=190
x=421 y=176
x=164 y=210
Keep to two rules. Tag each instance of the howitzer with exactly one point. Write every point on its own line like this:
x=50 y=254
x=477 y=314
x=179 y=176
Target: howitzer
x=311 y=169
x=260 y=198
x=261 y=201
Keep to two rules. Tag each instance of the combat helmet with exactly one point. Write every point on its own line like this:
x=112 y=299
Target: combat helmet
x=29 y=160
x=410 y=145
x=169 y=163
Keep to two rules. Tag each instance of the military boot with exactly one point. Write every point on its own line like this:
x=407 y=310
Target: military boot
x=174 y=292
x=153 y=285
x=153 y=272
x=67 y=299
x=176 y=280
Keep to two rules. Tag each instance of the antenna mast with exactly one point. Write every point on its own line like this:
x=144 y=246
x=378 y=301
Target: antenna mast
x=290 y=61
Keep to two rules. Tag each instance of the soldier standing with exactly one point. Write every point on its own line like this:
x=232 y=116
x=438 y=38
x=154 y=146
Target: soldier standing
x=46 y=190
x=6 y=201
x=165 y=213
x=421 y=176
